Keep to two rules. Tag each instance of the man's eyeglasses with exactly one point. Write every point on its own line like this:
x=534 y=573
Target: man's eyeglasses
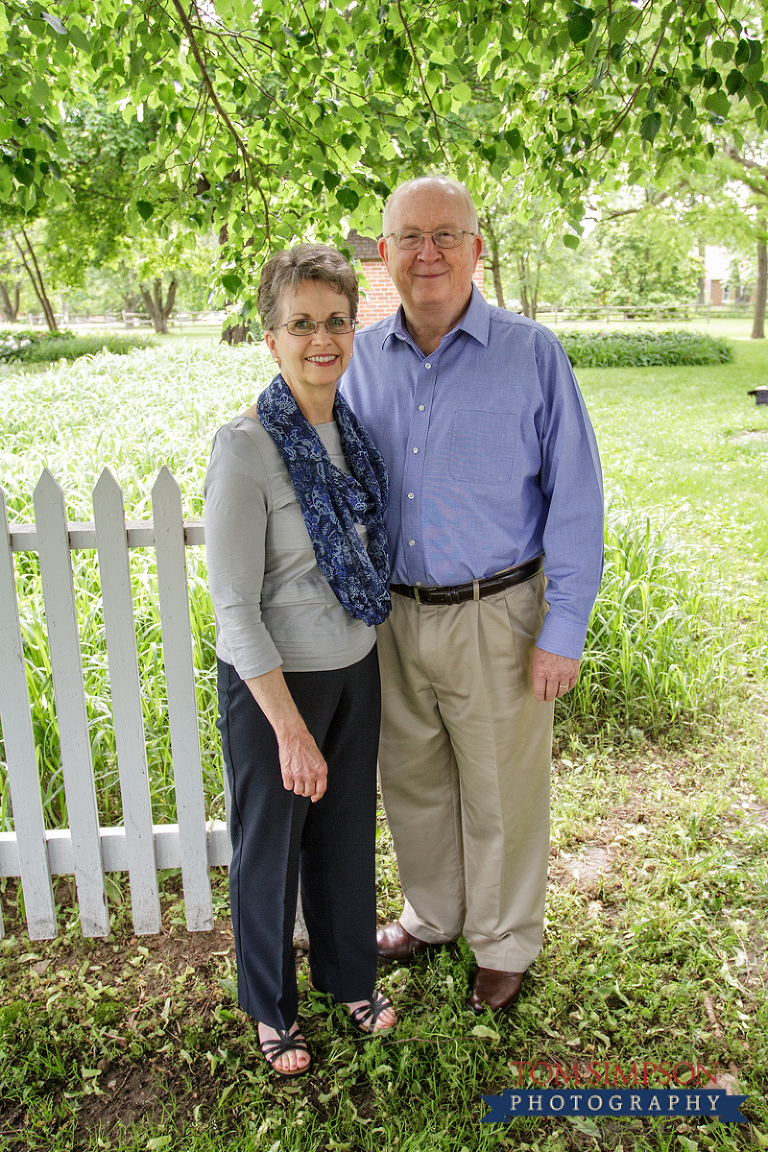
x=334 y=326
x=411 y=238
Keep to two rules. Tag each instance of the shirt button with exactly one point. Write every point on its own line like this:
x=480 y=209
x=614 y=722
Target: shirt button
x=410 y=495
x=415 y=449
x=427 y=365
x=411 y=542
x=421 y=407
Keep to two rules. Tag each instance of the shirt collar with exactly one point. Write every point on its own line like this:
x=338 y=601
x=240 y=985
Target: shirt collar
x=476 y=321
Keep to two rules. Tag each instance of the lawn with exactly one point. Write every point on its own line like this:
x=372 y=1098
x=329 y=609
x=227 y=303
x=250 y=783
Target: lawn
x=656 y=918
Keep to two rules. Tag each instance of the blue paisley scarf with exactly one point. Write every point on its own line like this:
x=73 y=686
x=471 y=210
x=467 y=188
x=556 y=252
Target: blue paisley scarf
x=332 y=502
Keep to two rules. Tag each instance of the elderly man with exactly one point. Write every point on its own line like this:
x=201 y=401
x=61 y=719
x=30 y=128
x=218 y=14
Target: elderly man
x=496 y=536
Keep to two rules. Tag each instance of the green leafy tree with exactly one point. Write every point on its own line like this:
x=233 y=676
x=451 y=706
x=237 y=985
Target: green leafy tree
x=646 y=257
x=291 y=119
x=526 y=258
x=90 y=228
x=749 y=167
x=726 y=202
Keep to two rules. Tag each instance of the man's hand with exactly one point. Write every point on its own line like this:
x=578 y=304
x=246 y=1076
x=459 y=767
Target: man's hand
x=553 y=675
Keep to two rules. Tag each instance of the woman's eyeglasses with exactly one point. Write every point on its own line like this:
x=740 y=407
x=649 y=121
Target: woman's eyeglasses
x=334 y=326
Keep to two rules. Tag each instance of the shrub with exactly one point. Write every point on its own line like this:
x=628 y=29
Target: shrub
x=643 y=349
x=27 y=346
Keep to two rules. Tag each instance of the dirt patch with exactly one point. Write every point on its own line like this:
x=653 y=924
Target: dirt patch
x=142 y=1095
x=756 y=436
x=756 y=810
x=588 y=868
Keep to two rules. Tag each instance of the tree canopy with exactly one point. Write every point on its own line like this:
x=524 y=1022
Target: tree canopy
x=290 y=118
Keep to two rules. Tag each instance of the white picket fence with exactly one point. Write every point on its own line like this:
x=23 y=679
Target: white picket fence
x=86 y=850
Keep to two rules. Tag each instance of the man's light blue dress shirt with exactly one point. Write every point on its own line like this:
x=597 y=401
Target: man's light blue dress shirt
x=491 y=456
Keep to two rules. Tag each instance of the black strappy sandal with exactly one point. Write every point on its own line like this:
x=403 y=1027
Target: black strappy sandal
x=271 y=1050
x=364 y=1017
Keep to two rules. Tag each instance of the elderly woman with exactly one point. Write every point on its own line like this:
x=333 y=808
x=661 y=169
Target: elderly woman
x=298 y=572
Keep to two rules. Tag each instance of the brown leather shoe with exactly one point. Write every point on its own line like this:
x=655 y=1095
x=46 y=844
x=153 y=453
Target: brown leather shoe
x=495 y=990
x=393 y=943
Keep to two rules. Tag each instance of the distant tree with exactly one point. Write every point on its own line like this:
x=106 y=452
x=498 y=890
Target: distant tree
x=91 y=227
x=725 y=202
x=749 y=165
x=10 y=281
x=645 y=257
x=22 y=235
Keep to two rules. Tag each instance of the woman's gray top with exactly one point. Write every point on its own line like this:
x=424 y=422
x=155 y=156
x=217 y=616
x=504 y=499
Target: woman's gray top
x=271 y=601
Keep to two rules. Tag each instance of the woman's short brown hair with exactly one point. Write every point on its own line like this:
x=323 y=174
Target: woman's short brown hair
x=286 y=270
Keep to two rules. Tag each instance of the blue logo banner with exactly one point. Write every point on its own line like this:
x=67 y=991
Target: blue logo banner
x=514 y=1102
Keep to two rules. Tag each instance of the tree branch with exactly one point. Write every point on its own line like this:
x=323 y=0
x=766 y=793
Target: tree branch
x=732 y=152
x=239 y=143
x=417 y=62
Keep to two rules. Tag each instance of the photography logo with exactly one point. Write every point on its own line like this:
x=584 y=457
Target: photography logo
x=685 y=1090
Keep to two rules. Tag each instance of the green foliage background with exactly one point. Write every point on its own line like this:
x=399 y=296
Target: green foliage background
x=292 y=119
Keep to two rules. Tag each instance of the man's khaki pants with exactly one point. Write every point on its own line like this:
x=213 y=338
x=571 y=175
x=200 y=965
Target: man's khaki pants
x=464 y=759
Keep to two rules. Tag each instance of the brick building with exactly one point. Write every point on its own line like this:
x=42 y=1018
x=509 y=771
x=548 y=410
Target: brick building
x=381 y=298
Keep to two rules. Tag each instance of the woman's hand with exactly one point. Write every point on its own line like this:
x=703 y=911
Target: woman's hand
x=302 y=765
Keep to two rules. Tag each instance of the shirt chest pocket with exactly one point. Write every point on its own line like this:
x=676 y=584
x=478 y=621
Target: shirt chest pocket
x=482 y=446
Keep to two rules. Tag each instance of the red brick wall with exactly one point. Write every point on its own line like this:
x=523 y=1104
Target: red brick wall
x=382 y=298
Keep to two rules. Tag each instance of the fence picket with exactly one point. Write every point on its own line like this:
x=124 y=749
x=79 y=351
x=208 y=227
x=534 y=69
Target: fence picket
x=114 y=569
x=64 y=642
x=182 y=700
x=21 y=760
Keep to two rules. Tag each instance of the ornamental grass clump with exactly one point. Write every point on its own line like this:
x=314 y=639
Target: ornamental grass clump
x=644 y=349
x=28 y=346
x=655 y=659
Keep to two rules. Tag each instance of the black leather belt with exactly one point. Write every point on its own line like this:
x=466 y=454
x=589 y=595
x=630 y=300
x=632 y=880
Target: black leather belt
x=475 y=590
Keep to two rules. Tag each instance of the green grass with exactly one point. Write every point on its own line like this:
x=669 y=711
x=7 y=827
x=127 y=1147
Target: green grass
x=656 y=913
x=692 y=443
x=658 y=958
x=132 y=414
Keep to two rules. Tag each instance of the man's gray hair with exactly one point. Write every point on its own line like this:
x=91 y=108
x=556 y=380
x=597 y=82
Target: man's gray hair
x=304 y=263
x=437 y=178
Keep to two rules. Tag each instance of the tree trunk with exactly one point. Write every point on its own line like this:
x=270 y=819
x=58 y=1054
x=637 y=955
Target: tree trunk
x=158 y=311
x=758 y=324
x=522 y=269
x=32 y=269
x=496 y=274
x=9 y=305
x=702 y=279
x=236 y=334
x=494 y=263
